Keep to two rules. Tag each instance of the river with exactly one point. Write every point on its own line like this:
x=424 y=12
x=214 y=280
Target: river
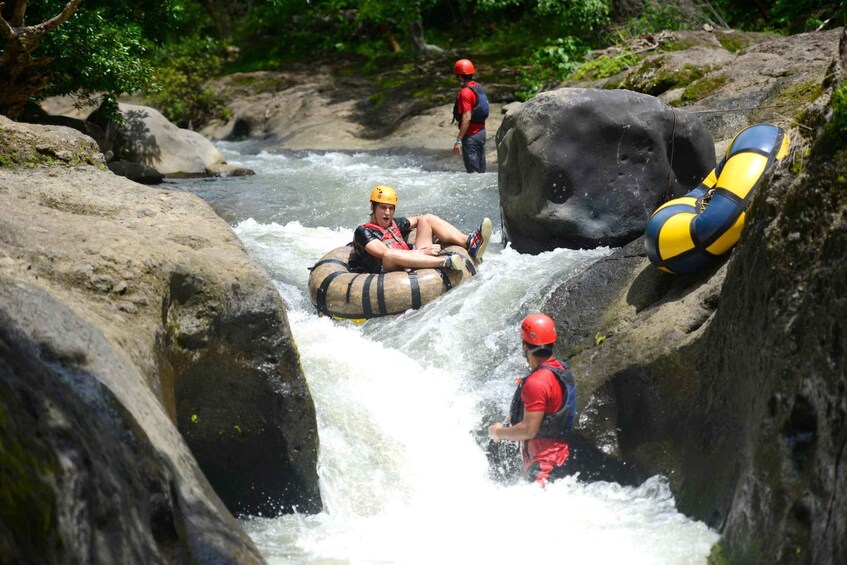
x=402 y=402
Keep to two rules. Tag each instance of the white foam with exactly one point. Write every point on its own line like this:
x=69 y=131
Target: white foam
x=401 y=406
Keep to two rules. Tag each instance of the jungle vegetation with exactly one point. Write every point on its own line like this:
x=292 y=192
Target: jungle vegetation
x=170 y=48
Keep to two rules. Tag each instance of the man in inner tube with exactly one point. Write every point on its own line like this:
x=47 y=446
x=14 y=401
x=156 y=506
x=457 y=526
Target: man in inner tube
x=382 y=245
x=543 y=406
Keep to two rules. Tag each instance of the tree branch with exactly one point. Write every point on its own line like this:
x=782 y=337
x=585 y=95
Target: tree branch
x=19 y=13
x=5 y=29
x=55 y=21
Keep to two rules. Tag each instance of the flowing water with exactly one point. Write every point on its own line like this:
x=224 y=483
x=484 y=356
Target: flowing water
x=403 y=402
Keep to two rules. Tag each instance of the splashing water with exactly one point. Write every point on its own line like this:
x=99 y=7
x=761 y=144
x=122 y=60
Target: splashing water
x=403 y=402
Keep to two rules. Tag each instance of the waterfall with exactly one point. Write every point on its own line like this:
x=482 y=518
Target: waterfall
x=403 y=402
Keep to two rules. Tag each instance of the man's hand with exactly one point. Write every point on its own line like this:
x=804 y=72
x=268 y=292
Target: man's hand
x=457 y=149
x=494 y=431
x=433 y=249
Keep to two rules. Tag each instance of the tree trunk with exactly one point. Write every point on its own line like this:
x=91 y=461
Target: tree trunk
x=416 y=38
x=21 y=74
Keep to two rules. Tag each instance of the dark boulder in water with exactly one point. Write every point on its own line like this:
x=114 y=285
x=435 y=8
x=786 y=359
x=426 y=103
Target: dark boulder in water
x=582 y=168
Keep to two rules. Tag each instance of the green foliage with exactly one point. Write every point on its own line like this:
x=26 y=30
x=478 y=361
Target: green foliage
x=806 y=15
x=788 y=16
x=550 y=63
x=400 y=12
x=658 y=16
x=279 y=31
x=107 y=47
x=836 y=129
x=94 y=55
x=581 y=15
x=181 y=73
x=102 y=50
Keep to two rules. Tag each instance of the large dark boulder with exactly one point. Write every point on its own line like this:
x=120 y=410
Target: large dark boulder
x=582 y=168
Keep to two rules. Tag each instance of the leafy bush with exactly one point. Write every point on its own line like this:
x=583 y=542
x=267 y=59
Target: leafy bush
x=807 y=15
x=552 y=62
x=658 y=16
x=103 y=50
x=787 y=16
x=581 y=15
x=179 y=90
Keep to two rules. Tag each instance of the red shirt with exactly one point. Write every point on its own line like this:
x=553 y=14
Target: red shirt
x=542 y=391
x=466 y=102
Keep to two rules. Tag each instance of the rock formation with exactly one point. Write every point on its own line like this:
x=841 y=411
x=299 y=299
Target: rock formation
x=581 y=168
x=732 y=382
x=143 y=353
x=148 y=138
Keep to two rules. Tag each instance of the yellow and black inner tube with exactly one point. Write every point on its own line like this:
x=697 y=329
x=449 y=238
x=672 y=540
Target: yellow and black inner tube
x=337 y=292
x=689 y=234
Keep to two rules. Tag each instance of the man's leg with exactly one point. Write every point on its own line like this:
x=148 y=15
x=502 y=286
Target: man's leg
x=423 y=232
x=447 y=235
x=444 y=231
x=397 y=260
x=473 y=152
x=539 y=472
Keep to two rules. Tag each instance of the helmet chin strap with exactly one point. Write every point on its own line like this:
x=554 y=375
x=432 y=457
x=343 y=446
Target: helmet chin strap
x=532 y=351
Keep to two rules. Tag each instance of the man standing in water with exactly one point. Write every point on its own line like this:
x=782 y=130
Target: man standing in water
x=543 y=407
x=382 y=244
x=470 y=110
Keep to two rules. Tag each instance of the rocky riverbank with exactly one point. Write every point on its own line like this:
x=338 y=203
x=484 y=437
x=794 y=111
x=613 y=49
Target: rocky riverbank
x=151 y=386
x=731 y=382
x=146 y=358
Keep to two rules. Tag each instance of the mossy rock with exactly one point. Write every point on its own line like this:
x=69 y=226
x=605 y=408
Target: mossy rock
x=790 y=100
x=735 y=40
x=604 y=66
x=657 y=75
x=27 y=499
x=684 y=40
x=702 y=88
x=24 y=146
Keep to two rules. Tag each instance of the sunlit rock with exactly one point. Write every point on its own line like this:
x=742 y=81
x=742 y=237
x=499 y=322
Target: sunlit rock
x=148 y=366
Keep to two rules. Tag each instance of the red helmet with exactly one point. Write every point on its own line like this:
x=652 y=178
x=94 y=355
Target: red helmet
x=463 y=67
x=538 y=329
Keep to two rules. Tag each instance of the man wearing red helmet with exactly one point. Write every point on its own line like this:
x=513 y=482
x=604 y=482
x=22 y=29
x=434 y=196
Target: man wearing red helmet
x=543 y=407
x=470 y=111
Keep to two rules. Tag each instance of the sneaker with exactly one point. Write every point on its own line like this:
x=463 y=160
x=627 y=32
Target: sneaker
x=478 y=240
x=454 y=261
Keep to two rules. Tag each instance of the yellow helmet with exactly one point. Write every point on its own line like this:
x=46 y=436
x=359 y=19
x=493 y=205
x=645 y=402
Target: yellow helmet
x=384 y=194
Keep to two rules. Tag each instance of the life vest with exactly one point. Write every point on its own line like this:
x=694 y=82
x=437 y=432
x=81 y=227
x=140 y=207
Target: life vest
x=479 y=113
x=390 y=236
x=559 y=424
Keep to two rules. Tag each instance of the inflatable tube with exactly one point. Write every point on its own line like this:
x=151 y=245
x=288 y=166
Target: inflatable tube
x=689 y=234
x=337 y=292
